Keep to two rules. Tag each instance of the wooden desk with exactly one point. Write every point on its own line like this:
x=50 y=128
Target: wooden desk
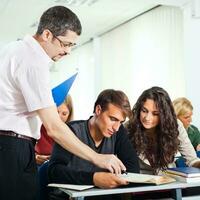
x=176 y=187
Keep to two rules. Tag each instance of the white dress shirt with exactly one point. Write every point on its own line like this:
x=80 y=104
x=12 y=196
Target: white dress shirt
x=24 y=86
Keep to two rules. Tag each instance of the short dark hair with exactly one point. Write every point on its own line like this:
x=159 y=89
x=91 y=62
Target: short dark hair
x=115 y=97
x=59 y=20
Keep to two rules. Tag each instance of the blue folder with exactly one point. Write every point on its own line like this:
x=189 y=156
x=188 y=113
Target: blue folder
x=60 y=92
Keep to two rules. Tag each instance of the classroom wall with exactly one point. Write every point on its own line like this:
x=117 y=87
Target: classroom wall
x=191 y=19
x=83 y=88
x=144 y=52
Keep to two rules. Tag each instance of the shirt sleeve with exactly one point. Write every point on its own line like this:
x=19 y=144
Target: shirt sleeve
x=196 y=133
x=185 y=147
x=34 y=83
x=126 y=152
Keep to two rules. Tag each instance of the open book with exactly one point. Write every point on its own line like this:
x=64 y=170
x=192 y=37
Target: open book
x=71 y=187
x=147 y=179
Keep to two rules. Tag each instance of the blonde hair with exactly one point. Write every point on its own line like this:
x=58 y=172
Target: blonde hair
x=69 y=104
x=182 y=106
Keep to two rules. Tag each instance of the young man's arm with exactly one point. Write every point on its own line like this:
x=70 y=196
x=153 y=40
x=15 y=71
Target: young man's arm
x=61 y=134
x=59 y=170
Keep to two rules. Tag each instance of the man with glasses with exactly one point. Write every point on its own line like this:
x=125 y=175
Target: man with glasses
x=62 y=44
x=26 y=94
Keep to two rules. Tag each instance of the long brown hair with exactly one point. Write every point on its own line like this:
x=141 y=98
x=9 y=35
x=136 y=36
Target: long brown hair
x=166 y=131
x=68 y=102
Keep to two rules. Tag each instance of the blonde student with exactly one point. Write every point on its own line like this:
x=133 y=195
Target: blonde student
x=184 y=111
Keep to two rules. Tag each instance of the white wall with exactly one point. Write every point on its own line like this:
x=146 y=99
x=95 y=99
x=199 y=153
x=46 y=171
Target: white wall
x=145 y=52
x=192 y=57
x=81 y=60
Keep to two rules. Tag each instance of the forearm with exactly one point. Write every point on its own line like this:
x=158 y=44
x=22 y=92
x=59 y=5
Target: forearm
x=196 y=164
x=41 y=158
x=66 y=138
x=61 y=134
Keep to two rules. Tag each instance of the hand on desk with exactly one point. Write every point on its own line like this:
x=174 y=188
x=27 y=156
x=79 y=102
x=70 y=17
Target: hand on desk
x=40 y=159
x=110 y=162
x=198 y=147
x=196 y=164
x=107 y=180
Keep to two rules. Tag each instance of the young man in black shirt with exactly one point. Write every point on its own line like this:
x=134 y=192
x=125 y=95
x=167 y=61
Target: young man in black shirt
x=104 y=133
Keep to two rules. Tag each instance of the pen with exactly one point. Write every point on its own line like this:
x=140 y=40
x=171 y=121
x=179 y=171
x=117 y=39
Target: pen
x=124 y=172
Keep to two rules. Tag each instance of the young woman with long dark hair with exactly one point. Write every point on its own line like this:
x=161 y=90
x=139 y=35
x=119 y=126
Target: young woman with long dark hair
x=156 y=134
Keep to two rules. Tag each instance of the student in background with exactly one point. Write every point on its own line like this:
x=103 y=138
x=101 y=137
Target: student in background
x=104 y=133
x=183 y=109
x=26 y=95
x=156 y=134
x=44 y=145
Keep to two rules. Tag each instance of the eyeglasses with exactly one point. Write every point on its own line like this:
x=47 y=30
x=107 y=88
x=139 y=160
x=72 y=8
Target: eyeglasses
x=62 y=44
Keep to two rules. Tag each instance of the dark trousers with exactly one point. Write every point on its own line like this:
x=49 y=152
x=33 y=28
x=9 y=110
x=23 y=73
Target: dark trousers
x=18 y=170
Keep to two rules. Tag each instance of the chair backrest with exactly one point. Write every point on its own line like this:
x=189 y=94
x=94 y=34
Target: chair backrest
x=43 y=181
x=180 y=162
x=198 y=154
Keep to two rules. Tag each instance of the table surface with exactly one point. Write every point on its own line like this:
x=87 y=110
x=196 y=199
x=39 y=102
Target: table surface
x=98 y=191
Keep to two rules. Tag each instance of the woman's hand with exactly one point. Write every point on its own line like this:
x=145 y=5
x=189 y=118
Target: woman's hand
x=198 y=147
x=40 y=159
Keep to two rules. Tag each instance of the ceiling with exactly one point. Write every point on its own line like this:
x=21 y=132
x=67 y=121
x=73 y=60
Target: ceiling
x=19 y=17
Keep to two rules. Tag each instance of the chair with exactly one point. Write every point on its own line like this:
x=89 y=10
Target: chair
x=43 y=181
x=180 y=162
x=198 y=154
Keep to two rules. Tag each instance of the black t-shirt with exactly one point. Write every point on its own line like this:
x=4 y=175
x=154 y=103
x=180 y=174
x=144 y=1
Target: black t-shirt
x=64 y=167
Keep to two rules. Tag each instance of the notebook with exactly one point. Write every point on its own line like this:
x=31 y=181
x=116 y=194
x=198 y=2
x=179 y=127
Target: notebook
x=185 y=171
x=147 y=179
x=71 y=186
x=184 y=179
